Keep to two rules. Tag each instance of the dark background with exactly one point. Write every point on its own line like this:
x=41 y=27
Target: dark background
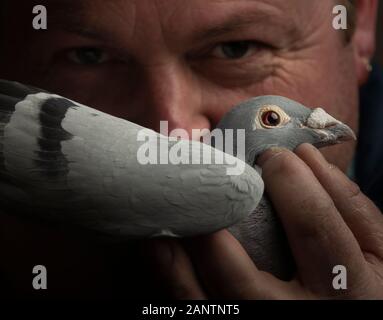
x=379 y=53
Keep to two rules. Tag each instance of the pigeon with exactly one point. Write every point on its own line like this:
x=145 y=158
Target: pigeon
x=69 y=163
x=66 y=162
x=276 y=121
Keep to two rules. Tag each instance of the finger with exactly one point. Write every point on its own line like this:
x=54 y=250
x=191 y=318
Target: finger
x=175 y=269
x=361 y=215
x=228 y=272
x=318 y=236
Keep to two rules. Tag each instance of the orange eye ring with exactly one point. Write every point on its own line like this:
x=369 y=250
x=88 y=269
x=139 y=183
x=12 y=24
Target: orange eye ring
x=271 y=118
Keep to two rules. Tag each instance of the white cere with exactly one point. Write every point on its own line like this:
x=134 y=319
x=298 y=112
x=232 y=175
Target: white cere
x=320 y=119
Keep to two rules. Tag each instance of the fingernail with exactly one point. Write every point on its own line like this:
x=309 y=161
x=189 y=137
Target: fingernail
x=268 y=154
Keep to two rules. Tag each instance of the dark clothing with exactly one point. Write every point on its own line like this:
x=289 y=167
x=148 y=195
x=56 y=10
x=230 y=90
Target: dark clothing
x=369 y=155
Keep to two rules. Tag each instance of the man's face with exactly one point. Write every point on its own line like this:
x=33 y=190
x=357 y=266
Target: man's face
x=187 y=62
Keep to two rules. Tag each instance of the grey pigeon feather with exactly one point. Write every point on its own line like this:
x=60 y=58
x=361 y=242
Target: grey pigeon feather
x=67 y=162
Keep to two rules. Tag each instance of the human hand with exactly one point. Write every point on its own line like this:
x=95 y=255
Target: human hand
x=328 y=222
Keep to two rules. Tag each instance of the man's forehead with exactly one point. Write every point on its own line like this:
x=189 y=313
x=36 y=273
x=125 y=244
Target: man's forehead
x=167 y=9
x=176 y=15
x=141 y=27
x=161 y=3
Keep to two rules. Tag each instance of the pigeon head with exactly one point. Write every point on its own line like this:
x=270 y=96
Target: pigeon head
x=274 y=121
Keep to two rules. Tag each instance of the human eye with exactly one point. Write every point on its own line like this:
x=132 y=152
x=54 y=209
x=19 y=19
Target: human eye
x=234 y=62
x=88 y=56
x=235 y=50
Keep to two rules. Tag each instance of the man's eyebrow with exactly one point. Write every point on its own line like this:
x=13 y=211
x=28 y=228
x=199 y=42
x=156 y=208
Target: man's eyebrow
x=82 y=29
x=71 y=16
x=57 y=8
x=237 y=22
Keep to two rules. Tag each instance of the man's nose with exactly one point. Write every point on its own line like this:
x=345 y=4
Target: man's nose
x=169 y=93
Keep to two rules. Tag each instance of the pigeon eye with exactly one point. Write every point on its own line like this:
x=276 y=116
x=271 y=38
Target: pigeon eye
x=271 y=119
x=270 y=116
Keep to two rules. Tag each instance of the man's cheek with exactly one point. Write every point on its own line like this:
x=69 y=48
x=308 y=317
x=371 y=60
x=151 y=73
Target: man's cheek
x=287 y=78
x=297 y=76
x=281 y=80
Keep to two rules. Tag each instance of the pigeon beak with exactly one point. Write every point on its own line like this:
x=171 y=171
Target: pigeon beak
x=328 y=129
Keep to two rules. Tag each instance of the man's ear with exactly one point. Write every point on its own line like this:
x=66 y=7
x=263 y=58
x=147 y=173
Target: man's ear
x=364 y=36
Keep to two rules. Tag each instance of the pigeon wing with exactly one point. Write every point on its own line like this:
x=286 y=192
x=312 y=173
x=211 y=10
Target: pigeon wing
x=67 y=162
